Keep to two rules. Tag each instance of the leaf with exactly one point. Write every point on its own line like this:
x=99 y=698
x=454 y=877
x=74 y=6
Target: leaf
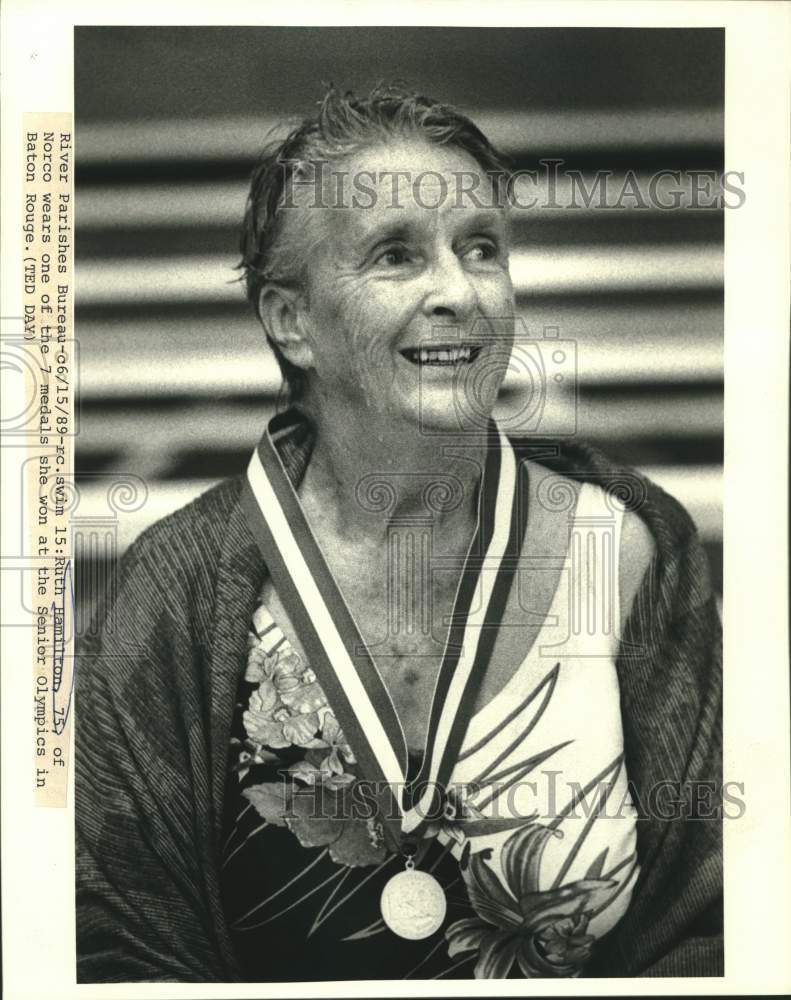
x=588 y=885
x=270 y=801
x=489 y=825
x=355 y=847
x=377 y=927
x=310 y=829
x=597 y=866
x=316 y=755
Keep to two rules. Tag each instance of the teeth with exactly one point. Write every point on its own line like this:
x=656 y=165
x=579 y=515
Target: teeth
x=428 y=356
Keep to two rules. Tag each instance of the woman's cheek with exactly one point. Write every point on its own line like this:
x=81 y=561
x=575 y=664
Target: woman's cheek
x=376 y=325
x=498 y=294
x=365 y=346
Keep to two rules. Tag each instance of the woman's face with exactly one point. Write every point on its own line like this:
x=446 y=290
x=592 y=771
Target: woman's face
x=410 y=308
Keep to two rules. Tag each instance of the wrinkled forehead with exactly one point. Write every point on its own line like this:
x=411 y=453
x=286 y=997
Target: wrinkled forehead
x=408 y=184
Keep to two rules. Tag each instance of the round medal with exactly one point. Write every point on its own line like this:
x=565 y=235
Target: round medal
x=413 y=904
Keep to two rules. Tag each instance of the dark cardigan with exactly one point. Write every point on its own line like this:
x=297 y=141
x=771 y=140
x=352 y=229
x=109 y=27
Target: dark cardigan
x=156 y=683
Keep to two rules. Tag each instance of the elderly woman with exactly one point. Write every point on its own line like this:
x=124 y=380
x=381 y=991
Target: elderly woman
x=419 y=695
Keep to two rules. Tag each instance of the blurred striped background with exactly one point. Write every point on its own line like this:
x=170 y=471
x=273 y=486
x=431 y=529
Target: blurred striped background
x=176 y=379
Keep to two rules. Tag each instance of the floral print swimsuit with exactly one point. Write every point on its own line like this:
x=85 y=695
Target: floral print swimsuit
x=303 y=872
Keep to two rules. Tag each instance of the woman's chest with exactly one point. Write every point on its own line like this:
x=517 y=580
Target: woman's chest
x=405 y=623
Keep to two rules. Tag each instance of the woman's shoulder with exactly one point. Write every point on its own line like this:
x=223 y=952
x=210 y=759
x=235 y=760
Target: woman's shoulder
x=160 y=608
x=653 y=519
x=185 y=543
x=657 y=531
x=556 y=499
x=202 y=517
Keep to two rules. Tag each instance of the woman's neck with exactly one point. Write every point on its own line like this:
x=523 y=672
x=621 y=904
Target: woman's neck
x=365 y=475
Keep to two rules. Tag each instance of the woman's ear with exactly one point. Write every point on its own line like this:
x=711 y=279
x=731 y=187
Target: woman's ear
x=281 y=310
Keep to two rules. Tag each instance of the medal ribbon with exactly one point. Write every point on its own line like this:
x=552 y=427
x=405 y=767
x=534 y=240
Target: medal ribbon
x=336 y=651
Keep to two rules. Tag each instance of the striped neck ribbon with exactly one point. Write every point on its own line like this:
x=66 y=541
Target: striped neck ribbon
x=338 y=655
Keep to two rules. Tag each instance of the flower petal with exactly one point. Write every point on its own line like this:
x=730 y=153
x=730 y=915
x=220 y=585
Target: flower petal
x=521 y=858
x=538 y=907
x=528 y=966
x=338 y=781
x=580 y=948
x=264 y=731
x=488 y=896
x=330 y=729
x=256 y=666
x=289 y=662
x=300 y=729
x=496 y=956
x=301 y=698
x=286 y=684
x=559 y=946
x=534 y=963
x=264 y=698
x=304 y=772
x=465 y=935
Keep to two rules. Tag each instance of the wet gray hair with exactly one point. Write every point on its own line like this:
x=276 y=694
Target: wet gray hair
x=274 y=253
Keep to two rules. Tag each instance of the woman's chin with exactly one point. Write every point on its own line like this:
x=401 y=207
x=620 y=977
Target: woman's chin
x=446 y=413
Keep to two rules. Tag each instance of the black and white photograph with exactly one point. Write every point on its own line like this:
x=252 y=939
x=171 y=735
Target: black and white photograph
x=395 y=419
x=404 y=660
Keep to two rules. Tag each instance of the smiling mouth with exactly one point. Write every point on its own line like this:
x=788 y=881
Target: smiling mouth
x=447 y=355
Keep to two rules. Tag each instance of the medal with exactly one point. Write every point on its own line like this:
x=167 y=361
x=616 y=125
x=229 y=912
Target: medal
x=413 y=902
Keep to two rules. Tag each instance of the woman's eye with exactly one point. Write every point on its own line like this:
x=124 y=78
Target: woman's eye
x=392 y=257
x=480 y=252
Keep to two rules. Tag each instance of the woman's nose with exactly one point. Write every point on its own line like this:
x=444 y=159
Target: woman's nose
x=452 y=295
